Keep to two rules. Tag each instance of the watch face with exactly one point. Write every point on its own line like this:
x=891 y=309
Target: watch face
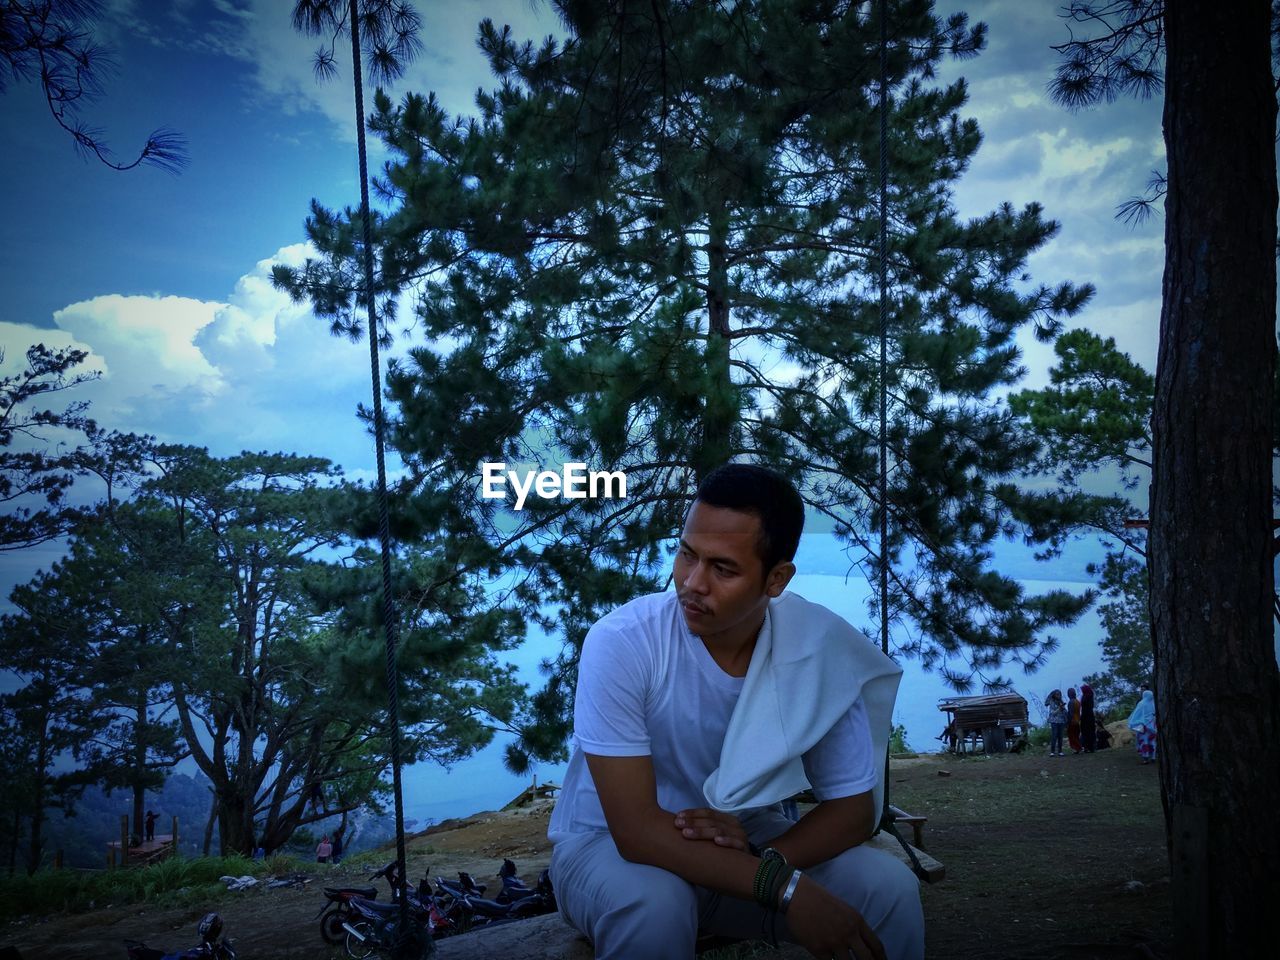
x=768 y=853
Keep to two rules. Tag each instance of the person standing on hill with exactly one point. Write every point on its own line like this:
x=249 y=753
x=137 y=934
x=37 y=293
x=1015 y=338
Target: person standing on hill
x=324 y=850
x=152 y=817
x=1057 y=713
x=1143 y=724
x=697 y=712
x=1088 y=722
x=1073 y=720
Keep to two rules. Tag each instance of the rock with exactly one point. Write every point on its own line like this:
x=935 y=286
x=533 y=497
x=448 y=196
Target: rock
x=1121 y=735
x=539 y=938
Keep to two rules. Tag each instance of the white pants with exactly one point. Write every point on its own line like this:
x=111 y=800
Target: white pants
x=633 y=911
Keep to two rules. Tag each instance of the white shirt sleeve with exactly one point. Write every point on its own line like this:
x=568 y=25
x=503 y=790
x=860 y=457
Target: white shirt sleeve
x=614 y=673
x=841 y=763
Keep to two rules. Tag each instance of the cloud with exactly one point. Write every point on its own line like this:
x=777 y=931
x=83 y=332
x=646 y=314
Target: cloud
x=254 y=371
x=282 y=58
x=1078 y=165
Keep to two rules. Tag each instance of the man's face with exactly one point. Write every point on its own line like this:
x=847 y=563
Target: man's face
x=719 y=576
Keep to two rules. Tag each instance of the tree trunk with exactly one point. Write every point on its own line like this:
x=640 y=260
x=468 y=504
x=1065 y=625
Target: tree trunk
x=14 y=840
x=1217 y=688
x=235 y=825
x=208 y=826
x=36 y=846
x=720 y=410
x=139 y=767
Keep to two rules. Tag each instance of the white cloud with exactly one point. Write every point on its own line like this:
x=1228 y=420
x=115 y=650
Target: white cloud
x=253 y=372
x=146 y=345
x=450 y=64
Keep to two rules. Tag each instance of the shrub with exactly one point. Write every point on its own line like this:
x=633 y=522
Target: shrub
x=898 y=740
x=176 y=880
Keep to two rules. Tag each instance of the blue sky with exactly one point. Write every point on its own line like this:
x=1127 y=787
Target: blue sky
x=165 y=280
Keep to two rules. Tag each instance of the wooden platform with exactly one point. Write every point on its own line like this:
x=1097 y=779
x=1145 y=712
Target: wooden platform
x=147 y=852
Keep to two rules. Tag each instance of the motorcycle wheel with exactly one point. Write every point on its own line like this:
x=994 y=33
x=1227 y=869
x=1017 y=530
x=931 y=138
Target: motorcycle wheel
x=358 y=949
x=331 y=926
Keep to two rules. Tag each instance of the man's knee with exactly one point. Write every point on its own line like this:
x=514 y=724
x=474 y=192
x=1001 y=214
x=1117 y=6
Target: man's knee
x=628 y=909
x=887 y=894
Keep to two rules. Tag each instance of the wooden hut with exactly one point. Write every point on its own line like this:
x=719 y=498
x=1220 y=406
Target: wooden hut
x=994 y=723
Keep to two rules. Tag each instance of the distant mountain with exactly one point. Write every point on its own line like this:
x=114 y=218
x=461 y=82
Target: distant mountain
x=83 y=838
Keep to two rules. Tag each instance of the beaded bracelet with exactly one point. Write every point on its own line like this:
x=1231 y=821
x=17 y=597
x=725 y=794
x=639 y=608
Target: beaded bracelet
x=765 y=882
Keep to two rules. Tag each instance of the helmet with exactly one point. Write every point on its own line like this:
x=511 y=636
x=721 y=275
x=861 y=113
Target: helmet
x=210 y=927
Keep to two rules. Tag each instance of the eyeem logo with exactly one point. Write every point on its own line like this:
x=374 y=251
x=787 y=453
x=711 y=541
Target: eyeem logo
x=574 y=482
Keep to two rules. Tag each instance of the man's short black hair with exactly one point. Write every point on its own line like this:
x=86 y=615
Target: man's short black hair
x=768 y=495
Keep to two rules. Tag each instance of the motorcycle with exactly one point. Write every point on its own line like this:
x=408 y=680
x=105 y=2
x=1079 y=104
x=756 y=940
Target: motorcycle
x=513 y=888
x=465 y=886
x=209 y=948
x=337 y=906
x=374 y=927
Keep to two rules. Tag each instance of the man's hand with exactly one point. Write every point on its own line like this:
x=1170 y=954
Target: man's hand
x=703 y=823
x=828 y=927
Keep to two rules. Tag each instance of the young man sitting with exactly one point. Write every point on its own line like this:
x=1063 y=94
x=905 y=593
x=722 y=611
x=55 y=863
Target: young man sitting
x=696 y=713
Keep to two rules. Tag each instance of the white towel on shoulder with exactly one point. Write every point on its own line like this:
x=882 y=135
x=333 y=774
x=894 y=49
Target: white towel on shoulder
x=807 y=669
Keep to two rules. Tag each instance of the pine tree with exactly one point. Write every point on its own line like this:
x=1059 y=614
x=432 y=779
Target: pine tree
x=40 y=448
x=654 y=250
x=1211 y=545
x=51 y=43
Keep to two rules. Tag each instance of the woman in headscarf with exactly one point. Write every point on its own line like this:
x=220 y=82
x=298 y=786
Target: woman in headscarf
x=1073 y=720
x=1088 y=723
x=1143 y=724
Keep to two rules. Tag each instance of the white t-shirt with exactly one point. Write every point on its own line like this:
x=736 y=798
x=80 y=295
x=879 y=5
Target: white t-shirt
x=648 y=687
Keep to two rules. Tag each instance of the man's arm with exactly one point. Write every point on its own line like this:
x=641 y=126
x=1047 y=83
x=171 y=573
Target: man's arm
x=645 y=833
x=829 y=829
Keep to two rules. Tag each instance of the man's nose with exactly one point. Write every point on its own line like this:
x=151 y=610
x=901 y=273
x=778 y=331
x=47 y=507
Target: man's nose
x=696 y=579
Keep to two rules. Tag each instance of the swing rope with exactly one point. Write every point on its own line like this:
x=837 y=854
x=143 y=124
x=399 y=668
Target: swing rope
x=407 y=939
x=887 y=816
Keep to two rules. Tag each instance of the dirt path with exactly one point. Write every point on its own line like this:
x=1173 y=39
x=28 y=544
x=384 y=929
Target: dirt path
x=1046 y=857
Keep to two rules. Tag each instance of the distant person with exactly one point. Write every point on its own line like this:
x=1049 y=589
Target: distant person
x=152 y=817
x=1073 y=721
x=324 y=850
x=948 y=736
x=1088 y=722
x=1103 y=738
x=1056 y=708
x=337 y=848
x=1143 y=724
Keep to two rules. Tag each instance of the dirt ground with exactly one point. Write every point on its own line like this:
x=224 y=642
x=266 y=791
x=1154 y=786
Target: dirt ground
x=1052 y=858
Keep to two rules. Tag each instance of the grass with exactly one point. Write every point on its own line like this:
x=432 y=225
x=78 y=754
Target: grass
x=177 y=881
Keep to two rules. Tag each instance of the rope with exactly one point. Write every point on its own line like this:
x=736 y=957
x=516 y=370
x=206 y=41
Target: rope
x=406 y=945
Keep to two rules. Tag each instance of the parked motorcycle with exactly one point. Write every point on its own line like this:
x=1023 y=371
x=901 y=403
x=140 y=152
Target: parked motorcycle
x=513 y=888
x=337 y=907
x=210 y=946
x=373 y=927
x=464 y=887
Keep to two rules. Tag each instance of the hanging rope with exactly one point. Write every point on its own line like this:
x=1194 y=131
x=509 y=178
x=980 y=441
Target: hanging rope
x=887 y=817
x=407 y=945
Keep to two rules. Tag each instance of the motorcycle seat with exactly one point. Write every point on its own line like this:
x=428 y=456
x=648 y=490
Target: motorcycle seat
x=337 y=893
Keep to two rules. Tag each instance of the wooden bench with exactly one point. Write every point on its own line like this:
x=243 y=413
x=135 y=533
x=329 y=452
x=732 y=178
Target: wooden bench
x=917 y=824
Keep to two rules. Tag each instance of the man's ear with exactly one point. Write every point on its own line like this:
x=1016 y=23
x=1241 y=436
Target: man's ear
x=779 y=577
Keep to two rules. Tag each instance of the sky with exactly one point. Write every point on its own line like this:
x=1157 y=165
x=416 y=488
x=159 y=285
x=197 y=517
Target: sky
x=165 y=280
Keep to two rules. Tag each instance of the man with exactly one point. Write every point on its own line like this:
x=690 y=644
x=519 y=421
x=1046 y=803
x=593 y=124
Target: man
x=647 y=851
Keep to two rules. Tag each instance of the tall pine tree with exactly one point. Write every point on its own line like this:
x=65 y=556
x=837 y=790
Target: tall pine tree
x=655 y=249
